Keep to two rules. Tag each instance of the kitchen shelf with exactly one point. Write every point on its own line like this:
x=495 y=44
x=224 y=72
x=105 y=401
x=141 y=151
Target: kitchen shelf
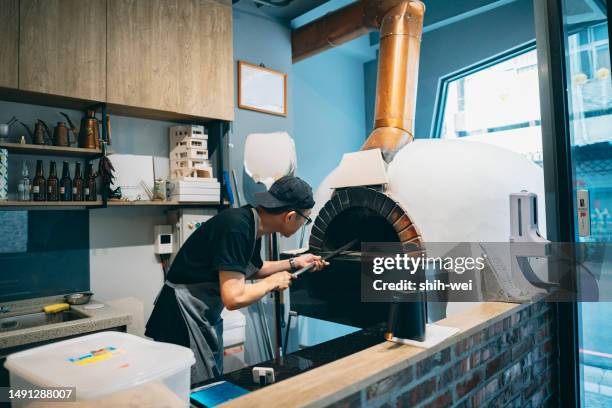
x=144 y=203
x=46 y=150
x=43 y=204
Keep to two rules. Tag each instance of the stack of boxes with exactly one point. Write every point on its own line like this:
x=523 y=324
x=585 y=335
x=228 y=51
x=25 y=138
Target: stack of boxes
x=190 y=169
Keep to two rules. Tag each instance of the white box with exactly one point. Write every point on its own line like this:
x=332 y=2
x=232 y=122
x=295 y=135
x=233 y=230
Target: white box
x=187 y=142
x=187 y=174
x=194 y=131
x=212 y=197
x=189 y=164
x=182 y=153
x=196 y=187
x=108 y=369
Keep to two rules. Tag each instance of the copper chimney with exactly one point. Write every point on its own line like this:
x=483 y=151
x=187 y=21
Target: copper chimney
x=398 y=67
x=400 y=23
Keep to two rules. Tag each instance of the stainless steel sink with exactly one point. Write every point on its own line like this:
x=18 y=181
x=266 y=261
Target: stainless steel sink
x=25 y=321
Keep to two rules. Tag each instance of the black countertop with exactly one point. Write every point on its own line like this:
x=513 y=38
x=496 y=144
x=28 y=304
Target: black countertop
x=306 y=359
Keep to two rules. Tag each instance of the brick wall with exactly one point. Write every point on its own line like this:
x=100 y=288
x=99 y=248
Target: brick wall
x=510 y=363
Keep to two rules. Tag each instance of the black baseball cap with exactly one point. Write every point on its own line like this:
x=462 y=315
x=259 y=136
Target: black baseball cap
x=287 y=191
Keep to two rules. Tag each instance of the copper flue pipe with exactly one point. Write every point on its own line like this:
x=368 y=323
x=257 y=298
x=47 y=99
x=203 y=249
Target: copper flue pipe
x=398 y=65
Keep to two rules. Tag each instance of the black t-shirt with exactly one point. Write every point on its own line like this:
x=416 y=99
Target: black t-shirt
x=226 y=242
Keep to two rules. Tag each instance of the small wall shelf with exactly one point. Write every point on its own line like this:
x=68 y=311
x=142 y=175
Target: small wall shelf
x=122 y=203
x=45 y=204
x=46 y=150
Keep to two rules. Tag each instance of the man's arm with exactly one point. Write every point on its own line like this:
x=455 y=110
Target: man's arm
x=271 y=267
x=236 y=294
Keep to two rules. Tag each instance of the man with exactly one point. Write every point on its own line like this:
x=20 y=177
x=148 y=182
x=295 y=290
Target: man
x=210 y=270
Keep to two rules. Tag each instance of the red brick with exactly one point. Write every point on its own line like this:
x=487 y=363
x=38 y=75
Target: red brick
x=444 y=400
x=418 y=393
x=465 y=386
x=522 y=348
x=478 y=397
x=548 y=346
x=497 y=364
x=439 y=359
x=389 y=384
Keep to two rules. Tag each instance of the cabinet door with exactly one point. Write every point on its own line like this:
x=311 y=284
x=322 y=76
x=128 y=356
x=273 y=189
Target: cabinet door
x=62 y=48
x=171 y=55
x=9 y=43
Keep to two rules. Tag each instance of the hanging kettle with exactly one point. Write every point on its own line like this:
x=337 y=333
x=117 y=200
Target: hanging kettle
x=89 y=133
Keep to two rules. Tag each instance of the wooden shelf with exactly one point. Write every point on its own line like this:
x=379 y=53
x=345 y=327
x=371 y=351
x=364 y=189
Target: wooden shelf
x=44 y=204
x=46 y=150
x=144 y=203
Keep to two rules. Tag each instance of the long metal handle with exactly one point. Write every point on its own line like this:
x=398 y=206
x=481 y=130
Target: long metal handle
x=326 y=257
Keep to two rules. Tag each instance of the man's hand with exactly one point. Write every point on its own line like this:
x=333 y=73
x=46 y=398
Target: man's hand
x=279 y=280
x=307 y=259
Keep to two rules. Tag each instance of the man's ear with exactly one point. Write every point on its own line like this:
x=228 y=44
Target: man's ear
x=290 y=216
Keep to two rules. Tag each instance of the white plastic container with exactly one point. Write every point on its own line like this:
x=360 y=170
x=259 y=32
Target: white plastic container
x=108 y=369
x=234 y=324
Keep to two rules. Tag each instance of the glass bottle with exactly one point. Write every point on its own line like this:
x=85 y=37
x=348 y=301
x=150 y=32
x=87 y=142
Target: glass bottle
x=52 y=183
x=23 y=189
x=90 y=184
x=39 y=184
x=77 y=184
x=65 y=186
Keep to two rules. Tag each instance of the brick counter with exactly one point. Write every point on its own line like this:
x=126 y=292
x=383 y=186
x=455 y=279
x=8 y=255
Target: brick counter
x=504 y=355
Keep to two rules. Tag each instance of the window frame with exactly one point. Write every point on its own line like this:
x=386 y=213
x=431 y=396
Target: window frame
x=443 y=82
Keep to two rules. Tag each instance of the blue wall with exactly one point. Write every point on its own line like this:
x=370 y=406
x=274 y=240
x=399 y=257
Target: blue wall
x=329 y=111
x=258 y=39
x=455 y=46
x=326 y=102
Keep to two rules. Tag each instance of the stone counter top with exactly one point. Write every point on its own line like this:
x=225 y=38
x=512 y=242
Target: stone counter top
x=97 y=319
x=387 y=370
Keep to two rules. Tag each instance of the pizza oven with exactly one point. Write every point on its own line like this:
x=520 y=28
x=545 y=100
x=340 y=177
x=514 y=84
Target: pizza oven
x=397 y=189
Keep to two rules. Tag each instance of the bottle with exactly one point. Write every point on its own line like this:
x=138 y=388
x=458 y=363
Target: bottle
x=23 y=188
x=65 y=186
x=90 y=184
x=52 y=184
x=77 y=184
x=39 y=184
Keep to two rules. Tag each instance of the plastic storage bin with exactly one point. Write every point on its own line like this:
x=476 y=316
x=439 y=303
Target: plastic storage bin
x=108 y=369
x=234 y=333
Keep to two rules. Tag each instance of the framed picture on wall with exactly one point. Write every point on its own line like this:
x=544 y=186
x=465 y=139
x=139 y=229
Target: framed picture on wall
x=262 y=89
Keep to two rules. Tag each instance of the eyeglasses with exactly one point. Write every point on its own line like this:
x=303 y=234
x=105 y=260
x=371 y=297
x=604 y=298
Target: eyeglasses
x=308 y=219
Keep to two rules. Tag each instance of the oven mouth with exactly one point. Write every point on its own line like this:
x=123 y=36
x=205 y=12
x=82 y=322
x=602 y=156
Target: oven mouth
x=365 y=213
x=362 y=223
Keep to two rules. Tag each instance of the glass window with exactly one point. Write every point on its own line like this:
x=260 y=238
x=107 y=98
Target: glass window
x=499 y=104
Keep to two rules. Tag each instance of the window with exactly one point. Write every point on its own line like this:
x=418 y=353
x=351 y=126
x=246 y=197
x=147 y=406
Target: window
x=497 y=103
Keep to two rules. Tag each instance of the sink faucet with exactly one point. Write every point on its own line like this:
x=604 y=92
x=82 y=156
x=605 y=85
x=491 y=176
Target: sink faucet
x=4 y=309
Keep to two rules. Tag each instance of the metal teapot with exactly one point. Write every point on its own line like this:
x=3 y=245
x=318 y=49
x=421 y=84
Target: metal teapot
x=41 y=134
x=89 y=133
x=61 y=135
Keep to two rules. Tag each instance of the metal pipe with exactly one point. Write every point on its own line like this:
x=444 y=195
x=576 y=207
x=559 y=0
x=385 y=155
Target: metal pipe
x=398 y=65
x=401 y=24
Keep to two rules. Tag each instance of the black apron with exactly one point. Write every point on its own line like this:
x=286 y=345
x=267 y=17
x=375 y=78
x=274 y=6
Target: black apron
x=199 y=309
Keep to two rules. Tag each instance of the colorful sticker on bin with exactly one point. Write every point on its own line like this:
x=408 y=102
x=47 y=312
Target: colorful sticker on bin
x=95 y=356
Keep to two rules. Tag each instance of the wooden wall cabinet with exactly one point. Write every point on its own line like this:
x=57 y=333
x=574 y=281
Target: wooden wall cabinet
x=9 y=43
x=62 y=48
x=171 y=55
